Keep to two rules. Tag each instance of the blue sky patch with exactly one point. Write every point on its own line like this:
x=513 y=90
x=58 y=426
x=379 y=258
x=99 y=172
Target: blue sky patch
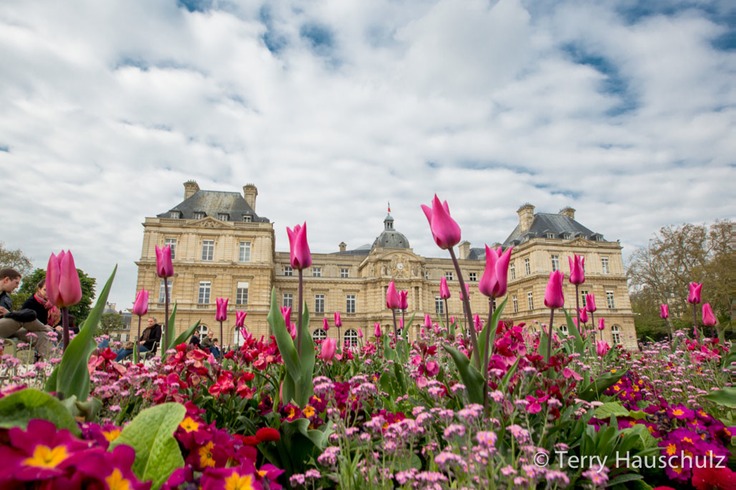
x=318 y=36
x=195 y=5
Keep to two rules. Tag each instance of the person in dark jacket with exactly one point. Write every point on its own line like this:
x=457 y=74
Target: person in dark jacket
x=150 y=335
x=9 y=327
x=46 y=313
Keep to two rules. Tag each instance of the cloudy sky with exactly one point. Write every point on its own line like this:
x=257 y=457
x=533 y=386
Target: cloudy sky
x=622 y=109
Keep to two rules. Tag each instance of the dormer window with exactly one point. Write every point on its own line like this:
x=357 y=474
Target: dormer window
x=175 y=214
x=199 y=215
x=550 y=235
x=223 y=217
x=566 y=236
x=247 y=218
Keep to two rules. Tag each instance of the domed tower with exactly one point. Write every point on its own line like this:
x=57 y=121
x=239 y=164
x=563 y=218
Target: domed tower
x=390 y=238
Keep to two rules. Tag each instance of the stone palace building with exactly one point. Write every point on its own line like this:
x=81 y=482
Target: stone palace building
x=222 y=248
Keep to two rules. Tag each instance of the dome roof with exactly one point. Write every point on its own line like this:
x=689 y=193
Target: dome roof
x=390 y=238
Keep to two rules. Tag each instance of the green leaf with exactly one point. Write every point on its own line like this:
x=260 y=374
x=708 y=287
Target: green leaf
x=610 y=408
x=151 y=434
x=594 y=389
x=305 y=387
x=171 y=329
x=186 y=334
x=472 y=379
x=17 y=409
x=283 y=340
x=628 y=478
x=579 y=342
x=725 y=397
x=72 y=378
x=490 y=329
x=644 y=438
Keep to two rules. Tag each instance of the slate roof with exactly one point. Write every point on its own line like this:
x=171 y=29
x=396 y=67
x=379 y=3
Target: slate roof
x=214 y=203
x=558 y=225
x=390 y=238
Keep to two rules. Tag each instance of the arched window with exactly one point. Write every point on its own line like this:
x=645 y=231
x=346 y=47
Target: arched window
x=616 y=334
x=563 y=329
x=203 y=330
x=351 y=338
x=319 y=334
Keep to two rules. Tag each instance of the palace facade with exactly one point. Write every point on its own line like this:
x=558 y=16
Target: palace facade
x=222 y=248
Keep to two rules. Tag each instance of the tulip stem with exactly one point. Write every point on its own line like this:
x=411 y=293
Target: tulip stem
x=65 y=327
x=300 y=309
x=468 y=315
x=396 y=330
x=221 y=337
x=593 y=327
x=447 y=317
x=487 y=352
x=549 y=337
x=165 y=333
x=577 y=309
x=136 y=347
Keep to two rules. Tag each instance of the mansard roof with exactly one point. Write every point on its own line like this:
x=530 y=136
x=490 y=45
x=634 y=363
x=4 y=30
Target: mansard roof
x=549 y=225
x=214 y=204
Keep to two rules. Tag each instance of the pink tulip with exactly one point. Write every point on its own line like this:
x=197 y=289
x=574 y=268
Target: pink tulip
x=401 y=323
x=338 y=319
x=664 y=311
x=240 y=318
x=329 y=347
x=140 y=307
x=583 y=315
x=360 y=333
x=164 y=267
x=495 y=277
x=325 y=324
x=444 y=290
x=301 y=257
x=221 y=312
x=445 y=231
x=577 y=269
x=553 y=297
x=62 y=280
x=709 y=319
x=477 y=322
x=377 y=330
x=403 y=300
x=427 y=321
x=453 y=319
x=590 y=303
x=602 y=348
x=286 y=313
x=694 y=293
x=393 y=301
x=601 y=324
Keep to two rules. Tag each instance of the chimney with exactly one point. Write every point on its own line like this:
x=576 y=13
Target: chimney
x=464 y=249
x=526 y=217
x=343 y=246
x=249 y=193
x=568 y=211
x=190 y=188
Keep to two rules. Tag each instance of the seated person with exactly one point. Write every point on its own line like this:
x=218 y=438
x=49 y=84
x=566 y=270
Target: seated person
x=150 y=335
x=9 y=280
x=215 y=349
x=194 y=341
x=46 y=313
x=206 y=341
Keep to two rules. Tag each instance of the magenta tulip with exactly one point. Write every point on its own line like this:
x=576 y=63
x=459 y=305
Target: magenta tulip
x=695 y=289
x=583 y=315
x=553 y=297
x=602 y=348
x=709 y=319
x=427 y=321
x=286 y=313
x=601 y=324
x=301 y=257
x=140 y=307
x=325 y=324
x=403 y=300
x=329 y=347
x=377 y=330
x=164 y=267
x=240 y=318
x=664 y=311
x=577 y=269
x=444 y=290
x=338 y=319
x=62 y=280
x=445 y=231
x=221 y=313
x=495 y=277
x=590 y=303
x=477 y=322
x=393 y=301
x=360 y=333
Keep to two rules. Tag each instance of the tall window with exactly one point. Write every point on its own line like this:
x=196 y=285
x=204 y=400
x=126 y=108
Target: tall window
x=350 y=303
x=223 y=217
x=449 y=275
x=288 y=301
x=319 y=303
x=604 y=265
x=439 y=305
x=512 y=271
x=616 y=334
x=288 y=271
x=610 y=300
x=319 y=334
x=515 y=302
x=198 y=215
x=350 y=338
x=316 y=271
x=563 y=329
x=583 y=293
x=472 y=276
x=244 y=255
x=247 y=218
x=208 y=250
x=555 y=262
x=205 y=287
x=344 y=272
x=527 y=267
x=171 y=243
x=530 y=300
x=161 y=291
x=241 y=294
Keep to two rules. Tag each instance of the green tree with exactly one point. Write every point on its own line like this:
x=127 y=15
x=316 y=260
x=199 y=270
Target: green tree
x=80 y=310
x=660 y=272
x=111 y=322
x=15 y=259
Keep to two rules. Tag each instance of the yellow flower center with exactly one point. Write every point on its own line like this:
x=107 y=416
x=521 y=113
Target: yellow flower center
x=671 y=449
x=237 y=482
x=116 y=481
x=111 y=435
x=687 y=439
x=677 y=411
x=309 y=411
x=189 y=425
x=45 y=457
x=205 y=455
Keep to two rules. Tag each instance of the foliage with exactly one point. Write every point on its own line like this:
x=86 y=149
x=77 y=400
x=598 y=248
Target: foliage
x=111 y=322
x=80 y=310
x=15 y=259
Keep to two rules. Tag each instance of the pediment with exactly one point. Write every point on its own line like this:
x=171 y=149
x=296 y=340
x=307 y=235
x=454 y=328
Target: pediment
x=207 y=222
x=393 y=264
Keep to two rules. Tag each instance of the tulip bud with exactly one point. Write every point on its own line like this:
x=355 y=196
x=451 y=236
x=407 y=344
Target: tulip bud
x=664 y=311
x=325 y=324
x=477 y=322
x=221 y=312
x=601 y=324
x=329 y=347
x=403 y=300
x=445 y=231
x=377 y=330
x=360 y=333
x=393 y=301
x=240 y=318
x=602 y=348
x=495 y=277
x=427 y=321
x=553 y=297
x=709 y=319
x=444 y=290
x=338 y=319
x=577 y=269
x=164 y=267
x=694 y=292
x=286 y=313
x=63 y=287
x=301 y=257
x=583 y=315
x=590 y=303
x=140 y=307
